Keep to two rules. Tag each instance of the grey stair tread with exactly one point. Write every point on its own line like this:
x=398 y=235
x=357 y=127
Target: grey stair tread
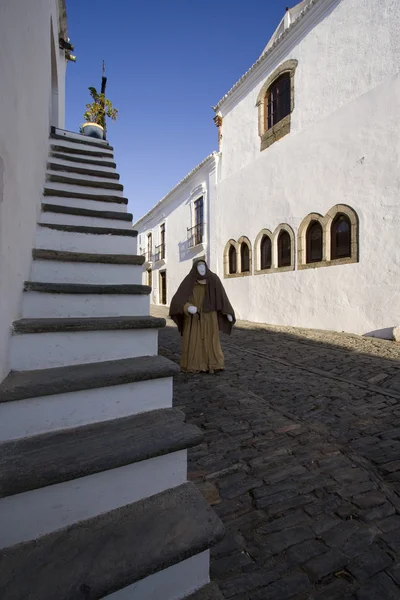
x=71 y=180
x=81 y=170
x=84 y=160
x=85 y=196
x=91 y=142
x=50 y=458
x=64 y=255
x=87 y=212
x=86 y=288
x=90 y=230
x=82 y=151
x=109 y=552
x=38 y=325
x=208 y=592
x=20 y=385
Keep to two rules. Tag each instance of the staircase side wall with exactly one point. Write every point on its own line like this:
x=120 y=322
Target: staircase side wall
x=26 y=92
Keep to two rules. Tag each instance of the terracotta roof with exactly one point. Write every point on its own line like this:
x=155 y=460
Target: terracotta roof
x=297 y=13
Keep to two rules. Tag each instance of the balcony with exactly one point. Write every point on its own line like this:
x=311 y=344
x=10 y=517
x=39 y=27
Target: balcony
x=147 y=256
x=159 y=253
x=195 y=235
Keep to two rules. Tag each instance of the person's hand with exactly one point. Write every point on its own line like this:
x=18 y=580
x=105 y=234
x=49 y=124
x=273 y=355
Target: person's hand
x=230 y=318
x=192 y=310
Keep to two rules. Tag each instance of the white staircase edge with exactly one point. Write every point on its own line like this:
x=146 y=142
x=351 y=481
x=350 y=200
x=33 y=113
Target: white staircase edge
x=32 y=514
x=82 y=189
x=173 y=583
x=56 y=271
x=44 y=414
x=32 y=351
x=66 y=219
x=84 y=203
x=54 y=239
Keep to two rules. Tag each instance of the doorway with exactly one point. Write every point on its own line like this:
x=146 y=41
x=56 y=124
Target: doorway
x=163 y=287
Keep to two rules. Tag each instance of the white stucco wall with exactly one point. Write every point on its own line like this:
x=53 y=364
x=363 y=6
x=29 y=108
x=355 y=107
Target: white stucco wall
x=25 y=100
x=177 y=212
x=343 y=47
x=350 y=157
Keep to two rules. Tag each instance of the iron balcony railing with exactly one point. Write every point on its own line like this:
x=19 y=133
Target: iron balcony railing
x=146 y=253
x=195 y=235
x=159 y=253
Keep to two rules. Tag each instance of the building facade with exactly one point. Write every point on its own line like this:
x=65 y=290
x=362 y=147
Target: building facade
x=177 y=231
x=305 y=214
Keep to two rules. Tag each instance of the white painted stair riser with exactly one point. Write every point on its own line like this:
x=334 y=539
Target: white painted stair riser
x=174 y=583
x=56 y=506
x=84 y=203
x=82 y=177
x=46 y=305
x=82 y=189
x=56 y=271
x=65 y=219
x=54 y=239
x=80 y=165
x=59 y=349
x=43 y=414
x=80 y=147
x=79 y=136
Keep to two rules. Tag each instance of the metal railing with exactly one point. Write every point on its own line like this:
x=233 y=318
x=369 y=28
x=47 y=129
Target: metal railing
x=159 y=253
x=195 y=235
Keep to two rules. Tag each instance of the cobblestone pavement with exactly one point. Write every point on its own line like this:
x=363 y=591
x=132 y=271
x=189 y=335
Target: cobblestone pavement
x=301 y=460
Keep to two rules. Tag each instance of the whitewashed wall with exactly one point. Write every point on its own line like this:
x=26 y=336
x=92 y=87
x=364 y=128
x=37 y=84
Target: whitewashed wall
x=343 y=47
x=25 y=117
x=350 y=157
x=177 y=212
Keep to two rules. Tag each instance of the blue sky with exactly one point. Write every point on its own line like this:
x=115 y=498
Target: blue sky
x=167 y=62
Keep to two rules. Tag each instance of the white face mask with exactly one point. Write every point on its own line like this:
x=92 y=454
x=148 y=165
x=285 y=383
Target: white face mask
x=201 y=269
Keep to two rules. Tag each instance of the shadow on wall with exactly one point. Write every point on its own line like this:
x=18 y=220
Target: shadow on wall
x=188 y=252
x=384 y=334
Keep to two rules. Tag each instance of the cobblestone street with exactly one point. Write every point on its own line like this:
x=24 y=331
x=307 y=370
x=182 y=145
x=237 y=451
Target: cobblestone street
x=301 y=460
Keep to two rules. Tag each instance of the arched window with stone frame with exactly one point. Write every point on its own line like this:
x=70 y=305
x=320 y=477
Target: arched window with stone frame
x=275 y=104
x=245 y=255
x=314 y=242
x=284 y=246
x=265 y=252
x=231 y=258
x=342 y=231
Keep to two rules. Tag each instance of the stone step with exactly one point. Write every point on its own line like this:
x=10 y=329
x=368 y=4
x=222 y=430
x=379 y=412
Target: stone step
x=79 y=146
x=48 y=343
x=172 y=583
x=76 y=238
x=89 y=203
x=81 y=188
x=75 y=159
x=34 y=402
x=80 y=150
x=80 y=180
x=75 y=267
x=57 y=164
x=50 y=458
x=54 y=300
x=209 y=592
x=72 y=215
x=74 y=191
x=79 y=138
x=168 y=528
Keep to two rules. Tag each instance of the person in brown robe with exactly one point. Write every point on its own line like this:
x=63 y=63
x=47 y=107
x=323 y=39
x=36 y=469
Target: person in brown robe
x=201 y=309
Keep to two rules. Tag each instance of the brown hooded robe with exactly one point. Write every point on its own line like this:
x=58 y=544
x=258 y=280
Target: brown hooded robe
x=201 y=348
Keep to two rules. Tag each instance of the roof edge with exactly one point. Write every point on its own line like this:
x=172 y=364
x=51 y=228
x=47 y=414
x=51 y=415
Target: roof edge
x=267 y=53
x=181 y=182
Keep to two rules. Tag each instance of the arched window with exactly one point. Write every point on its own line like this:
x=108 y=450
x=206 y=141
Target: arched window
x=314 y=238
x=277 y=101
x=232 y=260
x=244 y=257
x=341 y=237
x=265 y=252
x=284 y=249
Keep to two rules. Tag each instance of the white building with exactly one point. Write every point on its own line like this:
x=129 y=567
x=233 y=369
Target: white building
x=94 y=497
x=304 y=216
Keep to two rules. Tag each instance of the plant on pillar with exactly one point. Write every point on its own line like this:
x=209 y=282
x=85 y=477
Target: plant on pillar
x=96 y=113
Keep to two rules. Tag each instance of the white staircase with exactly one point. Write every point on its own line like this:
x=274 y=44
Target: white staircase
x=94 y=500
